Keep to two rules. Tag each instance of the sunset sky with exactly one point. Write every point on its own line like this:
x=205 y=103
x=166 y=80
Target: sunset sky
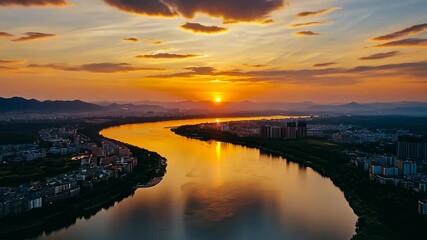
x=172 y=50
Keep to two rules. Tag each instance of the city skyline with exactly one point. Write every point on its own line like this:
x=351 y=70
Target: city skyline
x=119 y=50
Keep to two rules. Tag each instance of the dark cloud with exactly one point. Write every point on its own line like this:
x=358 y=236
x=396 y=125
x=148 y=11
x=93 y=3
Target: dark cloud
x=6 y=68
x=318 y=12
x=408 y=42
x=307 y=24
x=29 y=3
x=149 y=8
x=202 y=70
x=254 y=65
x=130 y=39
x=167 y=55
x=307 y=33
x=156 y=42
x=414 y=69
x=5 y=34
x=199 y=28
x=324 y=64
x=30 y=36
x=193 y=71
x=95 y=67
x=229 y=10
x=380 y=55
x=405 y=32
x=9 y=61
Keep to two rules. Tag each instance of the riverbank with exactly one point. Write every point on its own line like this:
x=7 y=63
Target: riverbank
x=90 y=201
x=385 y=212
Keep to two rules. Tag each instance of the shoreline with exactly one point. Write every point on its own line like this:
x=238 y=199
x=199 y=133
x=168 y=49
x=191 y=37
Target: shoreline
x=64 y=214
x=371 y=223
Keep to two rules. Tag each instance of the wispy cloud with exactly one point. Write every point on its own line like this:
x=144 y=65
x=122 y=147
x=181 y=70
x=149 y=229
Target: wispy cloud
x=380 y=55
x=254 y=65
x=408 y=42
x=10 y=61
x=326 y=64
x=405 y=32
x=307 y=33
x=130 y=39
x=318 y=12
x=199 y=28
x=30 y=36
x=327 y=76
x=167 y=55
x=5 y=34
x=96 y=67
x=229 y=10
x=297 y=25
x=29 y=3
x=156 y=42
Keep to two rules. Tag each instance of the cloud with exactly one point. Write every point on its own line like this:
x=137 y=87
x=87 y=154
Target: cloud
x=405 y=32
x=199 y=28
x=149 y=8
x=254 y=65
x=95 y=67
x=202 y=70
x=167 y=55
x=297 y=25
x=380 y=56
x=228 y=10
x=30 y=36
x=324 y=64
x=408 y=42
x=193 y=71
x=29 y=3
x=156 y=42
x=5 y=34
x=9 y=61
x=327 y=76
x=6 y=68
x=130 y=39
x=414 y=69
x=318 y=12
x=307 y=33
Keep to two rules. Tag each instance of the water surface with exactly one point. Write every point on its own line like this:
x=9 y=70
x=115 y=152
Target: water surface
x=216 y=190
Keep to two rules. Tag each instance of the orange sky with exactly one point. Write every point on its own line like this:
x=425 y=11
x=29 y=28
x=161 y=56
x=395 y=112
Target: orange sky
x=262 y=50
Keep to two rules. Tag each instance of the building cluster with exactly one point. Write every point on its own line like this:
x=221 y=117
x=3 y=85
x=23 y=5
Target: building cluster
x=408 y=169
x=121 y=113
x=65 y=141
x=291 y=130
x=98 y=163
x=268 y=129
x=21 y=152
x=363 y=136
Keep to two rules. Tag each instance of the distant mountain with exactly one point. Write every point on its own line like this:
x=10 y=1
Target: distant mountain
x=17 y=104
x=133 y=107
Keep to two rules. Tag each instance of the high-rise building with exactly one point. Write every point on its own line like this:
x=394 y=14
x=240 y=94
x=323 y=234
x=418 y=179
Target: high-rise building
x=422 y=207
x=266 y=132
x=412 y=148
x=276 y=132
x=406 y=167
x=302 y=130
x=270 y=132
x=292 y=130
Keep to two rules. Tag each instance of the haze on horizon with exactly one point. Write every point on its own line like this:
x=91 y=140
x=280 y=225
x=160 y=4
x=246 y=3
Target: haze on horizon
x=172 y=50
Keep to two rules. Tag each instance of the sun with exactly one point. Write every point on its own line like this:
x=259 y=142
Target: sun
x=218 y=99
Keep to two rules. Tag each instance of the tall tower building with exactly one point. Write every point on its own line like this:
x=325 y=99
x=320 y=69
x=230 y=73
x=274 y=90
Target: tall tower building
x=302 y=130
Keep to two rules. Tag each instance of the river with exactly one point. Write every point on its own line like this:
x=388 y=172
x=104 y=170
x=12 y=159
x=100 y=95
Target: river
x=216 y=190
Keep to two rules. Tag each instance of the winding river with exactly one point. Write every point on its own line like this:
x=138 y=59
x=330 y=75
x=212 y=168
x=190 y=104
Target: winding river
x=216 y=190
